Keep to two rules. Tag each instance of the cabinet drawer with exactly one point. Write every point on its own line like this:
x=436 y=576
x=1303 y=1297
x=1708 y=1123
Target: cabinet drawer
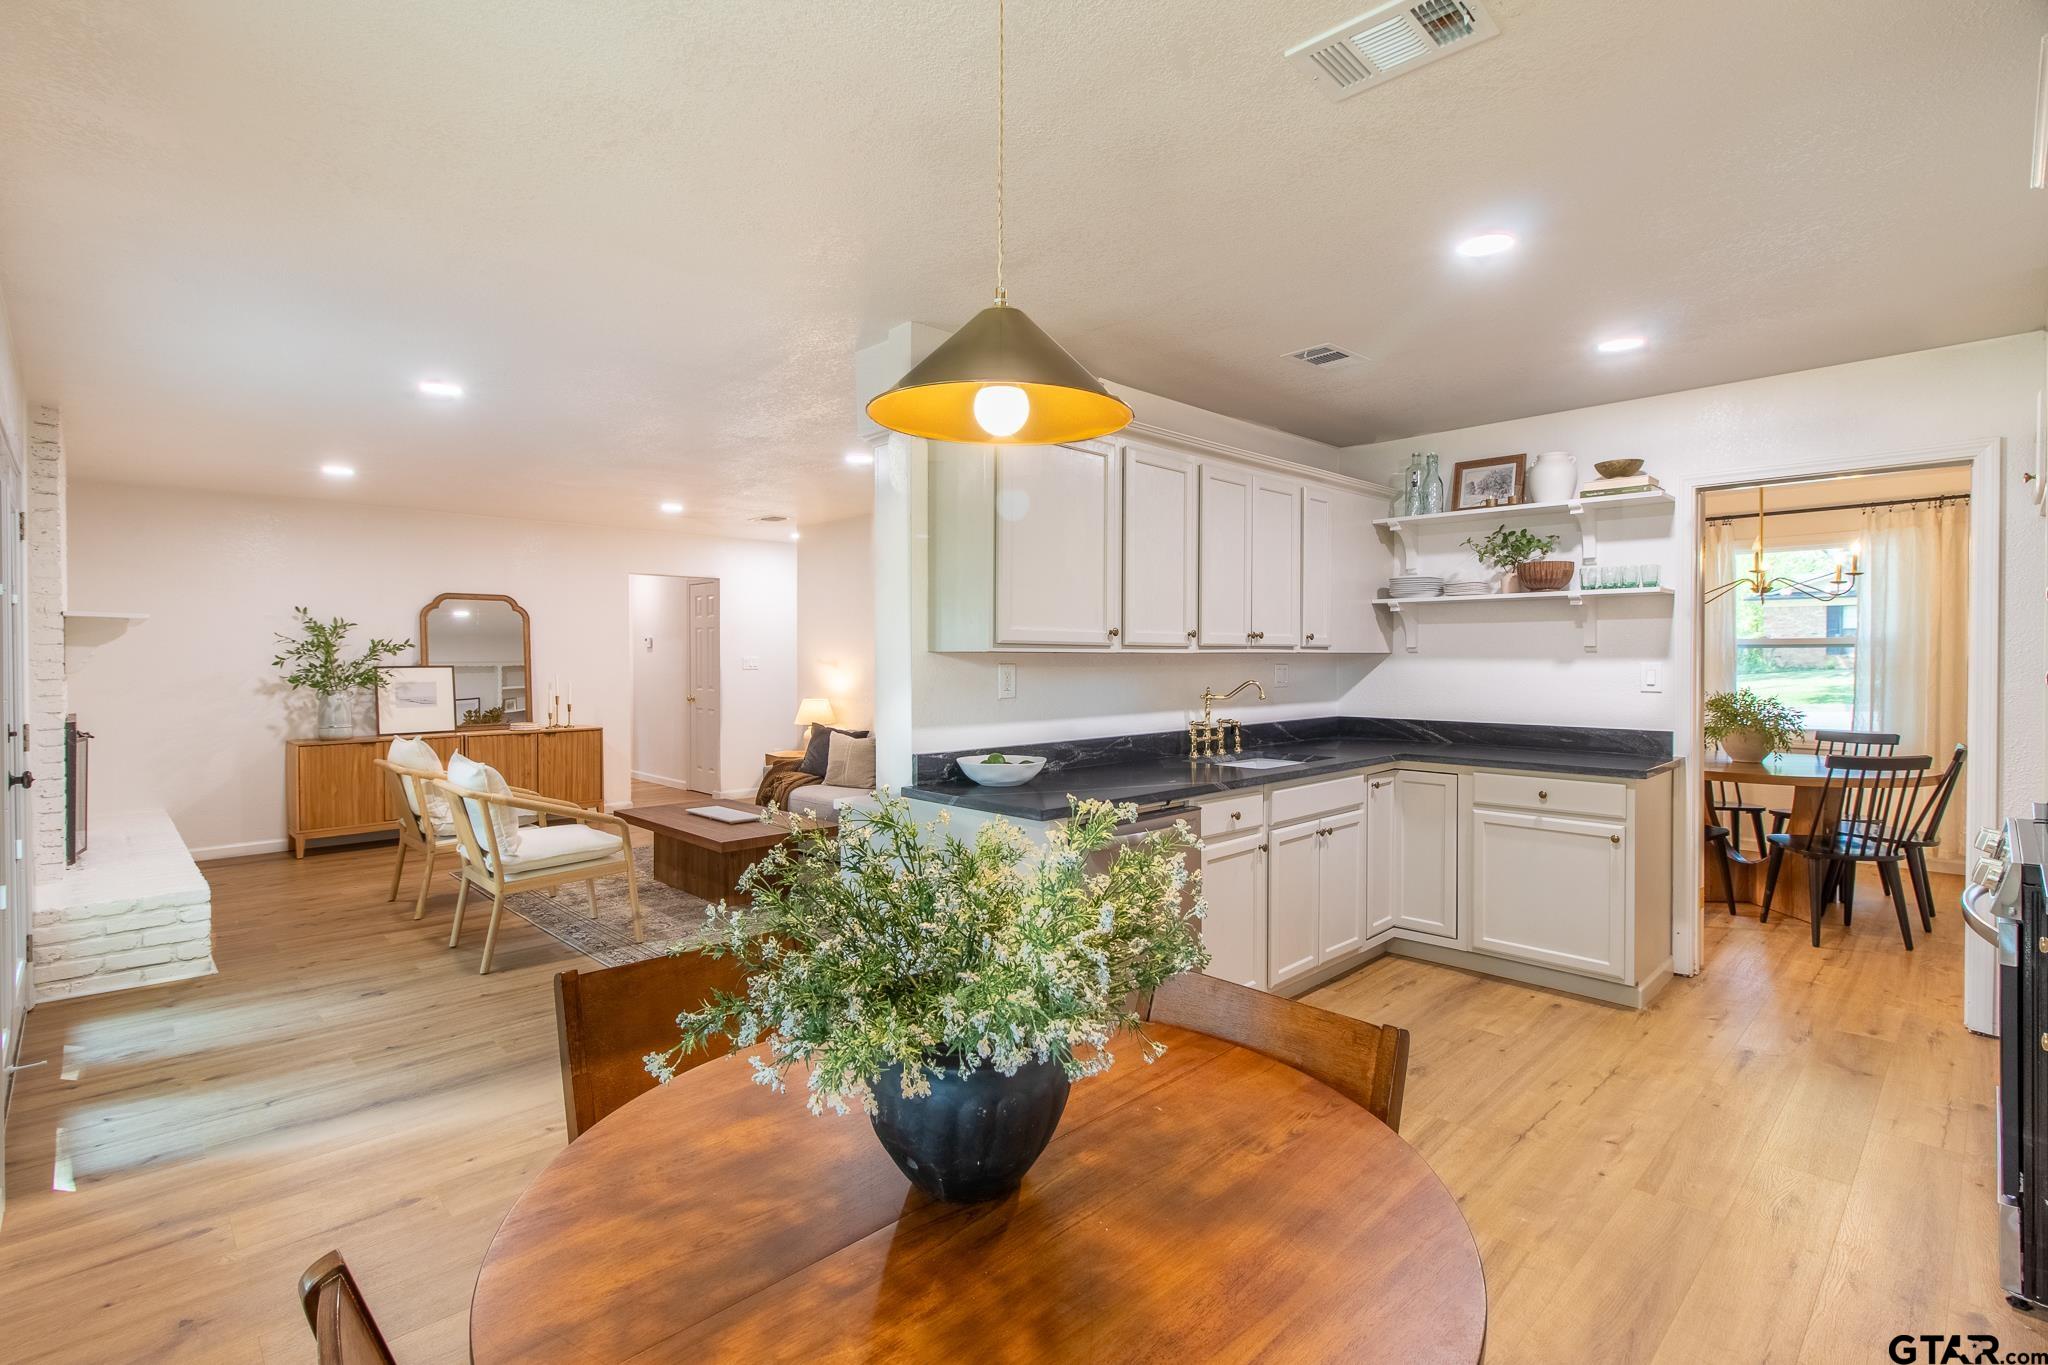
x=1233 y=815
x=1318 y=798
x=1550 y=794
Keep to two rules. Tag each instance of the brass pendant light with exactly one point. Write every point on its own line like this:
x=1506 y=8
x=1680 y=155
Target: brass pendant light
x=1000 y=380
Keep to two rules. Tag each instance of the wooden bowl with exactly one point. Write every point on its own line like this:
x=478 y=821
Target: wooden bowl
x=1545 y=575
x=1618 y=469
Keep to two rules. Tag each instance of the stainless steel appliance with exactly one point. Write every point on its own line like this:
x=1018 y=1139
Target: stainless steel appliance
x=2006 y=901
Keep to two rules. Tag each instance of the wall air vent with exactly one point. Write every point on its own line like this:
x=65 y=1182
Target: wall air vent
x=1325 y=357
x=1390 y=41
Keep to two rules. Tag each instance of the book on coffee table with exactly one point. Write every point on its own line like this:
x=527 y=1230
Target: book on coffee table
x=727 y=814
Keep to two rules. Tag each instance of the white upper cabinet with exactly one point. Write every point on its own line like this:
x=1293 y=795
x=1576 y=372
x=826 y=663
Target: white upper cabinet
x=1226 y=556
x=1275 y=563
x=1055 y=542
x=1343 y=564
x=1318 y=568
x=1162 y=510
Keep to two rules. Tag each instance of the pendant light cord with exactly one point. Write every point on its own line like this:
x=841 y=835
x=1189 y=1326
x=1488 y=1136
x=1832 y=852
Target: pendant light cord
x=1001 y=62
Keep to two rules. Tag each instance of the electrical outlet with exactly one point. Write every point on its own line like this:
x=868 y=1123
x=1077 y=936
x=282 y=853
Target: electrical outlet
x=1006 y=682
x=1653 y=677
x=750 y=663
x=1280 y=675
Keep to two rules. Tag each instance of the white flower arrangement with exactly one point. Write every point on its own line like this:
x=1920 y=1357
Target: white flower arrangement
x=892 y=943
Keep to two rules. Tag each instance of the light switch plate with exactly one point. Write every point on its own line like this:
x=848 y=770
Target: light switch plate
x=1006 y=682
x=750 y=663
x=1281 y=674
x=1653 y=677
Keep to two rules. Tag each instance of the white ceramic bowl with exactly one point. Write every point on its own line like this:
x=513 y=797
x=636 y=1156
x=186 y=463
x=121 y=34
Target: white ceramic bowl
x=1015 y=773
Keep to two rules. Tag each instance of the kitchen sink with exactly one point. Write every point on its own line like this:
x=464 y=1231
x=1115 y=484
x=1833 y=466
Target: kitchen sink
x=1262 y=761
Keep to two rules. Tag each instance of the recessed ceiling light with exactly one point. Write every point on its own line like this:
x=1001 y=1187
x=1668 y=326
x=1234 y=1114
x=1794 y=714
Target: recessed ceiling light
x=440 y=388
x=460 y=613
x=796 y=535
x=1617 y=345
x=860 y=457
x=338 y=471
x=672 y=508
x=1487 y=244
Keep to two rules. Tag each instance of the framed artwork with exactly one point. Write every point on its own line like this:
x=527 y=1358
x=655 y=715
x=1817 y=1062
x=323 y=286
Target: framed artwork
x=1498 y=477
x=413 y=699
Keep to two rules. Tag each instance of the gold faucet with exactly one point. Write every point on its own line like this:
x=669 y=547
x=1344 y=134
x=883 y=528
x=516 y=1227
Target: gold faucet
x=1207 y=734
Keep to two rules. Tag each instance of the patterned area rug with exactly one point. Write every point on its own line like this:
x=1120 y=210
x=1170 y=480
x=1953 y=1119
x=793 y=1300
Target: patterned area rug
x=669 y=916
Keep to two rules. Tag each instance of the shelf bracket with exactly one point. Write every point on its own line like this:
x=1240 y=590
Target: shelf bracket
x=1410 y=624
x=1588 y=522
x=1589 y=622
x=1403 y=547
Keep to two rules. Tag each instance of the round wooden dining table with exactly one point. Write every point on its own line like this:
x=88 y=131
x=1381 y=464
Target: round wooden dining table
x=1214 y=1205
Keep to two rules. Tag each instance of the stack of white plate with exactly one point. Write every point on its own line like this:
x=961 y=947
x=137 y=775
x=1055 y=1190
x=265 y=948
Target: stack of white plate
x=1415 y=585
x=1475 y=588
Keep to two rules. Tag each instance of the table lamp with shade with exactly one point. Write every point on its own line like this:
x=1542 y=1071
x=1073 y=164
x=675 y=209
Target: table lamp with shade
x=814 y=711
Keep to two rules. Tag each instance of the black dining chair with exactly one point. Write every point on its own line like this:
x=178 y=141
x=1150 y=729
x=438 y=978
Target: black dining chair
x=1867 y=814
x=1717 y=850
x=1725 y=799
x=1864 y=744
x=1926 y=832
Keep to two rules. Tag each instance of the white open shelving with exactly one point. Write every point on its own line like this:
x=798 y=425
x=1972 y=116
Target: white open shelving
x=1585 y=513
x=1584 y=602
x=98 y=627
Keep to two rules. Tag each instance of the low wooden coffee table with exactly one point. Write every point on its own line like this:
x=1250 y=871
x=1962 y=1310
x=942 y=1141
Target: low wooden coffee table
x=702 y=856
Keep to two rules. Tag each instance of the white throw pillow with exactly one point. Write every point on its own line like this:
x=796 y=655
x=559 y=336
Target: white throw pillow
x=470 y=775
x=850 y=762
x=410 y=752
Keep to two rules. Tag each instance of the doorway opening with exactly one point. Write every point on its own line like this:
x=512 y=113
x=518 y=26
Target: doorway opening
x=1866 y=641
x=676 y=693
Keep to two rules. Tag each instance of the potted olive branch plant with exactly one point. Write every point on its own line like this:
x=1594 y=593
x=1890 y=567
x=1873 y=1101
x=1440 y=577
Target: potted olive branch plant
x=1752 y=728
x=951 y=988
x=1520 y=553
x=312 y=660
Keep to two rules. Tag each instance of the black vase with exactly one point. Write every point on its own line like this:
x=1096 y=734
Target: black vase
x=976 y=1134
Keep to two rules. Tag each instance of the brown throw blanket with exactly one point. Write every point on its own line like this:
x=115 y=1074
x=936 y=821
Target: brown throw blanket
x=779 y=781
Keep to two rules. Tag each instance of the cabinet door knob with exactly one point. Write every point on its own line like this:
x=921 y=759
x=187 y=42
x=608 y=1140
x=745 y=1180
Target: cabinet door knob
x=1237 y=815
x=1191 y=634
x=1614 y=838
x=1114 y=632
x=1542 y=796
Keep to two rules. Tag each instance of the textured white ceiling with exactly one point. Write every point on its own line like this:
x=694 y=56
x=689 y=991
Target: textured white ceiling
x=649 y=237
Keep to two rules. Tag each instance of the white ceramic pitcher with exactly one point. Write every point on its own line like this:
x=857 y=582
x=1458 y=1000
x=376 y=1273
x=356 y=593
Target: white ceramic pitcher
x=1554 y=477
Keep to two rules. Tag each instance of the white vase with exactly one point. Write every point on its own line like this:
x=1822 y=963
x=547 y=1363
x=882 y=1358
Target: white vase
x=337 y=716
x=1554 y=477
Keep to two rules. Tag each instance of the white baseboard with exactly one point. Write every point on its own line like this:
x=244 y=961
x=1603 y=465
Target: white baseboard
x=243 y=850
x=659 y=780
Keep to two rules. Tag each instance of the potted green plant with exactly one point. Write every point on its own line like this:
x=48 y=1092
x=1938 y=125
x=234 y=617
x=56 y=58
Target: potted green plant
x=1520 y=552
x=1752 y=728
x=312 y=660
x=950 y=988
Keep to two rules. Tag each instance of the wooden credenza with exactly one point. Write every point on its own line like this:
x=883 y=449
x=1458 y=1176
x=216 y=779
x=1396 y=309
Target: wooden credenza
x=334 y=787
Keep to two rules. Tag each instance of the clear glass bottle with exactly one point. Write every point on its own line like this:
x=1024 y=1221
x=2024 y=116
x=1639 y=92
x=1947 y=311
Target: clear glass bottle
x=1411 y=499
x=1432 y=486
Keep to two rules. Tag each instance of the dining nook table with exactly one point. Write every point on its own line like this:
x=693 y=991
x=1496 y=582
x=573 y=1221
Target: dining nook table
x=1807 y=775
x=1216 y=1204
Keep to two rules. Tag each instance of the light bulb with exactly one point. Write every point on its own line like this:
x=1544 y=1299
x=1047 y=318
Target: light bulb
x=1001 y=409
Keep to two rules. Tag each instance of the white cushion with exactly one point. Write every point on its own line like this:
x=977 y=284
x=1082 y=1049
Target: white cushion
x=560 y=846
x=470 y=775
x=410 y=752
x=821 y=802
x=850 y=762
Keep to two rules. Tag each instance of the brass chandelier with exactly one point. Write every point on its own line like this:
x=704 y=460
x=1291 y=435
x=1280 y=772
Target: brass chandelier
x=1000 y=380
x=1763 y=585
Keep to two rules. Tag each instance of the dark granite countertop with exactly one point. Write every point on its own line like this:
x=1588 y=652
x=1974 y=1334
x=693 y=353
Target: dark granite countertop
x=1149 y=777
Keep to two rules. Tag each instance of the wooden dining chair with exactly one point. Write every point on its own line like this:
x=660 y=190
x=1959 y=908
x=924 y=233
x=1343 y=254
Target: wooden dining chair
x=608 y=1020
x=419 y=829
x=343 y=1330
x=1926 y=832
x=1866 y=814
x=1367 y=1063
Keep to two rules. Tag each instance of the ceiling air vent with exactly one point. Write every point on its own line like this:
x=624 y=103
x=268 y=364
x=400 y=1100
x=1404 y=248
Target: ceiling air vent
x=769 y=520
x=1324 y=357
x=1390 y=41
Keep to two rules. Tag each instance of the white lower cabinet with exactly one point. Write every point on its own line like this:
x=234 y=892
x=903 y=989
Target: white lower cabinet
x=1551 y=889
x=1411 y=853
x=1234 y=885
x=1314 y=894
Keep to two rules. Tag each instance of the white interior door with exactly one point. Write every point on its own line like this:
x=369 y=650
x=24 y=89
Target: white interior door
x=14 y=809
x=1161 y=504
x=703 y=696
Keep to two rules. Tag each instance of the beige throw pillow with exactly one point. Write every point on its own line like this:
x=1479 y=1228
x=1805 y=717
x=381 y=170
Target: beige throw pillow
x=467 y=773
x=850 y=762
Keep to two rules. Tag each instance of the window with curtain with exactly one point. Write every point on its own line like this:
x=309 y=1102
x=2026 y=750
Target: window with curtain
x=1797 y=650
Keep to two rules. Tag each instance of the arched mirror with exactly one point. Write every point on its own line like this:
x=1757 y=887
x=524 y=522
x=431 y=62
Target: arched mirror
x=484 y=638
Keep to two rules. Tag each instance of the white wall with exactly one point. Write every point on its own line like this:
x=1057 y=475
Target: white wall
x=188 y=712
x=1531 y=668
x=835 y=618
x=660 y=608
x=13 y=401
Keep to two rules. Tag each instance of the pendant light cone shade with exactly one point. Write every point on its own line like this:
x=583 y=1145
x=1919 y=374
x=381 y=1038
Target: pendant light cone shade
x=1000 y=346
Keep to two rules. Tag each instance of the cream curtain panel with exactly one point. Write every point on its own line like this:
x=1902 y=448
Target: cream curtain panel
x=1717 y=624
x=1912 y=648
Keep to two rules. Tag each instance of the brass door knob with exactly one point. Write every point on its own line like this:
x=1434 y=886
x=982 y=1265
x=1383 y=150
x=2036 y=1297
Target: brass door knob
x=1114 y=632
x=1614 y=838
x=691 y=698
x=1237 y=815
x=1311 y=637
x=1542 y=796
x=1191 y=635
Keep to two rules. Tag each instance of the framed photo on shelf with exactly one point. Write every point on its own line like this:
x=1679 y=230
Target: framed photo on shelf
x=413 y=699
x=1497 y=481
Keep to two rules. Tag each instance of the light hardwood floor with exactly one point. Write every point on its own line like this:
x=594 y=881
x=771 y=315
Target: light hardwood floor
x=1785 y=1158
